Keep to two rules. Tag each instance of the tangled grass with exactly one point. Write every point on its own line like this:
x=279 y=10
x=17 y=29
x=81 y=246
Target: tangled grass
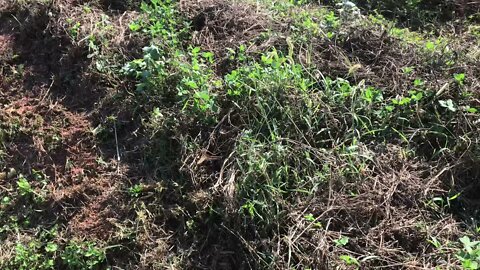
x=236 y=135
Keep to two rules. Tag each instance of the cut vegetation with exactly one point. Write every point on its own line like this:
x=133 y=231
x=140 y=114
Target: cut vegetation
x=216 y=134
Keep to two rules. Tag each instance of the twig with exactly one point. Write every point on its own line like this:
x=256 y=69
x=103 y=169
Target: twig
x=116 y=145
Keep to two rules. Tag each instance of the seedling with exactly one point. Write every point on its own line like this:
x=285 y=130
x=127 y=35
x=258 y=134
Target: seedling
x=342 y=241
x=459 y=78
x=407 y=70
x=136 y=190
x=24 y=186
x=349 y=260
x=469 y=256
x=311 y=218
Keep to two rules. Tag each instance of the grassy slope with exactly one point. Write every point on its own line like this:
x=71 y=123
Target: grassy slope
x=234 y=135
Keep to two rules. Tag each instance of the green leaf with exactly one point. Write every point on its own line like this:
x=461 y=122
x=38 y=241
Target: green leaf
x=309 y=217
x=51 y=247
x=466 y=241
x=195 y=50
x=430 y=46
x=24 y=186
x=349 y=260
x=152 y=51
x=418 y=82
x=342 y=241
x=407 y=70
x=208 y=55
x=471 y=110
x=459 y=78
x=191 y=84
x=469 y=264
x=203 y=95
x=6 y=200
x=434 y=241
x=454 y=196
x=134 y=26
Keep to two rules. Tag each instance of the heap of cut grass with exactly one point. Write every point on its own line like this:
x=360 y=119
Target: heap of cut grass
x=234 y=134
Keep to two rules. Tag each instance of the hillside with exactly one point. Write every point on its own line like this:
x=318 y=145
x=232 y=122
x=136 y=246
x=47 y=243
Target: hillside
x=239 y=134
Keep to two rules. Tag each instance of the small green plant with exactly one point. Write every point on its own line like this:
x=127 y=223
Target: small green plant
x=331 y=20
x=418 y=82
x=313 y=220
x=469 y=256
x=198 y=83
x=24 y=187
x=238 y=55
x=459 y=78
x=38 y=253
x=51 y=247
x=430 y=46
x=162 y=21
x=470 y=109
x=249 y=207
x=166 y=67
x=150 y=70
x=407 y=70
x=82 y=255
x=273 y=72
x=349 y=260
x=73 y=29
x=6 y=200
x=435 y=242
x=33 y=256
x=441 y=203
x=135 y=191
x=415 y=97
x=342 y=241
x=372 y=95
x=305 y=26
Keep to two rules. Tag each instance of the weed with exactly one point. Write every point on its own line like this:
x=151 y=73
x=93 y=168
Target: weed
x=43 y=254
x=73 y=29
x=313 y=23
x=24 y=186
x=198 y=83
x=342 y=241
x=459 y=78
x=435 y=242
x=135 y=191
x=162 y=21
x=469 y=256
x=470 y=109
x=313 y=220
x=149 y=70
x=33 y=256
x=407 y=70
x=305 y=26
x=82 y=255
x=349 y=260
